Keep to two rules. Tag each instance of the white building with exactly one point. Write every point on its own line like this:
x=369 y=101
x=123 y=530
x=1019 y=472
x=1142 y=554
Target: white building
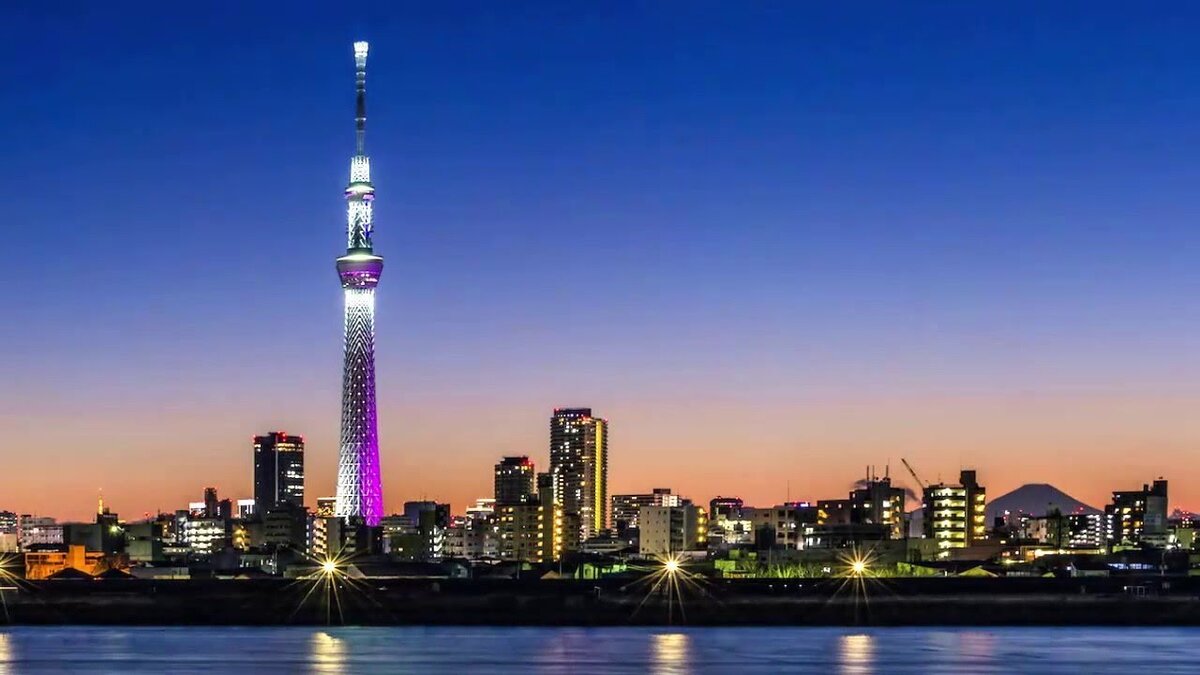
x=664 y=530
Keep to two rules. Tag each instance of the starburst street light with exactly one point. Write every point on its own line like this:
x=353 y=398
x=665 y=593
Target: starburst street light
x=329 y=566
x=858 y=567
x=671 y=565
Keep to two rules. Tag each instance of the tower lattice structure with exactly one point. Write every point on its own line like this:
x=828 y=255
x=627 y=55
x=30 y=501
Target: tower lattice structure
x=359 y=485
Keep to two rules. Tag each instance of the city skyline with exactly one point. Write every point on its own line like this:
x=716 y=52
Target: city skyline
x=725 y=248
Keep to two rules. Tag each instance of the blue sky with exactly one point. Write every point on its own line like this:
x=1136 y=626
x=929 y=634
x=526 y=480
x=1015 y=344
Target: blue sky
x=683 y=214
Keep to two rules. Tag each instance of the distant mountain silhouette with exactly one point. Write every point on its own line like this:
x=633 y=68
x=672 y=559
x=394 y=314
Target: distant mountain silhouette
x=1036 y=499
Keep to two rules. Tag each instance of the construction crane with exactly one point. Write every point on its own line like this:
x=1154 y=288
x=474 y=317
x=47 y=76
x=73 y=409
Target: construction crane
x=913 y=472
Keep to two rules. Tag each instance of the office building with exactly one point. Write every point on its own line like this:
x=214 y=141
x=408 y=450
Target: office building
x=9 y=522
x=514 y=481
x=579 y=463
x=1138 y=517
x=954 y=514
x=278 y=471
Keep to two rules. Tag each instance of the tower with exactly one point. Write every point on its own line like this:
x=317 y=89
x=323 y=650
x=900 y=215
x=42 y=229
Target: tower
x=359 y=488
x=579 y=463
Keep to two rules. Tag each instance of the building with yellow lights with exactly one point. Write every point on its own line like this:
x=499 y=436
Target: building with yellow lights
x=43 y=564
x=954 y=514
x=579 y=464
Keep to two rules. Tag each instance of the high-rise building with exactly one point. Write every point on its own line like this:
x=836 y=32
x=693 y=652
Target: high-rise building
x=954 y=514
x=8 y=522
x=1138 y=516
x=514 y=480
x=625 y=507
x=278 y=471
x=359 y=484
x=579 y=463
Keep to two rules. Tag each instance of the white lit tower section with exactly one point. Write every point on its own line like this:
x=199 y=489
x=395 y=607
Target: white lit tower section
x=359 y=487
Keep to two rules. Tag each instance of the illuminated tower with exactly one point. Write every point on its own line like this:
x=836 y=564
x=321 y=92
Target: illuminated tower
x=359 y=488
x=579 y=463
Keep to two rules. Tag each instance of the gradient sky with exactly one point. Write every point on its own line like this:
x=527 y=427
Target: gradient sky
x=773 y=243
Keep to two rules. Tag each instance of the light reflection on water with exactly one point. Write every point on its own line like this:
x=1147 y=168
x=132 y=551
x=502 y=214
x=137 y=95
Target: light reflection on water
x=6 y=655
x=856 y=654
x=663 y=651
x=328 y=653
x=670 y=653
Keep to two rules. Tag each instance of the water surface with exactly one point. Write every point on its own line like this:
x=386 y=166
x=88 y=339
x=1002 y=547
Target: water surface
x=463 y=650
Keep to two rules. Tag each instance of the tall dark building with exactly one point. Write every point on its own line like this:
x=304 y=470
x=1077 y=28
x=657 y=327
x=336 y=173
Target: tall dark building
x=278 y=471
x=211 y=503
x=514 y=480
x=579 y=462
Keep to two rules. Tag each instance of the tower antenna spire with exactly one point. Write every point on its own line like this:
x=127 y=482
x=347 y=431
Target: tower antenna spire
x=360 y=88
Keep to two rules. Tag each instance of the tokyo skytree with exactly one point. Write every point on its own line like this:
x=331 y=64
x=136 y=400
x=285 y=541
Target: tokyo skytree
x=359 y=486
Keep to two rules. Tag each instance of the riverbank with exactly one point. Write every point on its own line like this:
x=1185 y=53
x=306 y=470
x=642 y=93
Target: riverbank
x=855 y=602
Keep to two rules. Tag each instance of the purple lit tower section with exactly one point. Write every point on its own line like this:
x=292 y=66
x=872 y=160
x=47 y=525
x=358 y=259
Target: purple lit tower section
x=359 y=487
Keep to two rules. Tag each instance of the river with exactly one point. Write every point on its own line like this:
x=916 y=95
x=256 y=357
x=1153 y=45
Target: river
x=464 y=650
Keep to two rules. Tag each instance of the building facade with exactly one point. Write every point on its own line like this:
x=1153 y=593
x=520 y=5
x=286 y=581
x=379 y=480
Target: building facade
x=1138 y=517
x=514 y=480
x=954 y=514
x=278 y=472
x=625 y=507
x=579 y=464
x=666 y=530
